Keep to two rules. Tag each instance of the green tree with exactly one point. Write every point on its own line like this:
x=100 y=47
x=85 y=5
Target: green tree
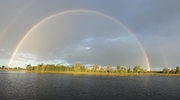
x=177 y=70
x=166 y=70
x=3 y=67
x=141 y=71
x=72 y=68
x=33 y=68
x=37 y=68
x=88 y=69
x=29 y=67
x=82 y=69
x=129 y=70
x=43 y=67
x=95 y=68
x=137 y=69
x=118 y=68
x=102 y=69
x=145 y=71
x=173 y=71
x=121 y=69
x=109 y=69
x=48 y=67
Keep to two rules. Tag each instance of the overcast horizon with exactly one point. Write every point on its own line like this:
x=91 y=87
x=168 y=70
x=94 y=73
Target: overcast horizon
x=91 y=32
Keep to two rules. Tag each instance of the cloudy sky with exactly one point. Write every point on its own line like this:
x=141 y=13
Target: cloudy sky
x=103 y=32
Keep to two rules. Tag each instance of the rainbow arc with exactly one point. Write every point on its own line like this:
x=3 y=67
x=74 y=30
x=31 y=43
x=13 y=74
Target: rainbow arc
x=83 y=11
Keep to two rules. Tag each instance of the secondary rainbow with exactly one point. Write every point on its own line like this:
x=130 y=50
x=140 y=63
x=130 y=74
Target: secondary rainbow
x=85 y=11
x=163 y=57
x=5 y=31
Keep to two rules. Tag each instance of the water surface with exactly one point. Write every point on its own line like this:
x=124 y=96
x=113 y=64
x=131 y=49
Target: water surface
x=32 y=86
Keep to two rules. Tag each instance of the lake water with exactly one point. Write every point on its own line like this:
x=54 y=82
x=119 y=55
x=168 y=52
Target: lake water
x=32 y=86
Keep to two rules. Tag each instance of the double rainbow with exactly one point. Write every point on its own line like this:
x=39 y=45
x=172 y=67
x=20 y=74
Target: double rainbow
x=83 y=11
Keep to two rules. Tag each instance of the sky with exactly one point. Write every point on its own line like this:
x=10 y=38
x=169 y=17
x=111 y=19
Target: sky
x=103 y=32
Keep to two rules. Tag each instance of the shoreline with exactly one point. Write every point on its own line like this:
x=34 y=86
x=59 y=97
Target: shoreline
x=95 y=73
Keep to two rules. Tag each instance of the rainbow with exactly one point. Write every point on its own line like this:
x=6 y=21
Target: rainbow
x=163 y=57
x=78 y=10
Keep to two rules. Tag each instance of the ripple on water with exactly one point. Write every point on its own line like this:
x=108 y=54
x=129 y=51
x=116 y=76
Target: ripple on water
x=29 y=86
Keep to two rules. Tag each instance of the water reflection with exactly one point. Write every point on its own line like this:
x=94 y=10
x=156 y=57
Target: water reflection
x=60 y=86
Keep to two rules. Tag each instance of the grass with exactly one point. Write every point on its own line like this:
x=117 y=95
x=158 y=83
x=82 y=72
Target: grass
x=95 y=73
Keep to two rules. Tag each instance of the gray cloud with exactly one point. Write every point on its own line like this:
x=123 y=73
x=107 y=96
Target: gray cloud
x=154 y=15
x=90 y=38
x=100 y=41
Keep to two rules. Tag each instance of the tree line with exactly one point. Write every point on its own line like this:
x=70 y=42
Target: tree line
x=78 y=67
x=172 y=71
x=9 y=68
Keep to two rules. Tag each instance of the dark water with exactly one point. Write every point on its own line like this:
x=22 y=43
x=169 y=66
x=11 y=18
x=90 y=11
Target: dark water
x=31 y=86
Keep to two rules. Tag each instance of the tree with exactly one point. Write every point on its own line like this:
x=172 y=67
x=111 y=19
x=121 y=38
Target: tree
x=77 y=66
x=95 y=68
x=129 y=70
x=3 y=67
x=102 y=69
x=43 y=67
x=58 y=65
x=145 y=71
x=177 y=70
x=173 y=70
x=141 y=71
x=82 y=69
x=48 y=67
x=109 y=69
x=137 y=69
x=29 y=67
x=166 y=70
x=88 y=69
x=120 y=69
x=37 y=68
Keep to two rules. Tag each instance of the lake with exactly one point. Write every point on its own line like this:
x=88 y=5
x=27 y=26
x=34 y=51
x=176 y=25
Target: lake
x=33 y=86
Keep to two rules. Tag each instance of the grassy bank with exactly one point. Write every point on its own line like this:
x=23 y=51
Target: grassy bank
x=101 y=74
x=95 y=73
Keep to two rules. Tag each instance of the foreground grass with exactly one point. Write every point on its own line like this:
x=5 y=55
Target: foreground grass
x=95 y=73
